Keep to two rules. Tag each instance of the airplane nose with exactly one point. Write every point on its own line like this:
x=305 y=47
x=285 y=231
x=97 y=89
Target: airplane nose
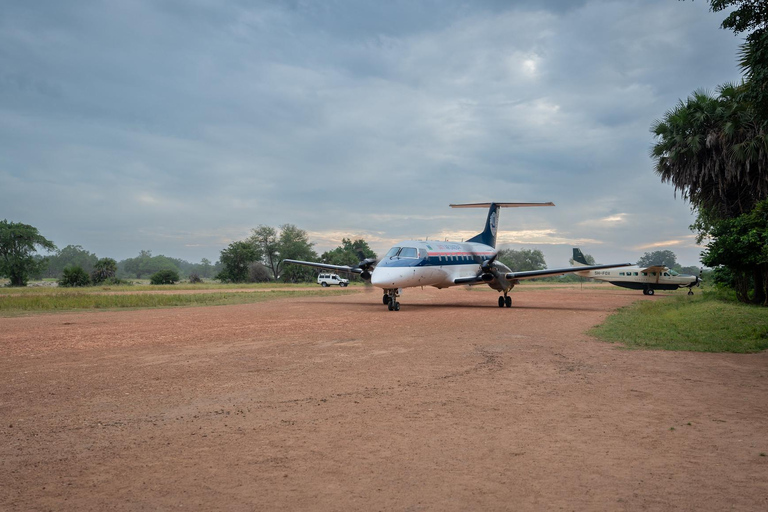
x=385 y=277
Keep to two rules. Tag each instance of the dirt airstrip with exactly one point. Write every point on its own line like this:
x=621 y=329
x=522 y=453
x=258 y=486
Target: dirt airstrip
x=335 y=403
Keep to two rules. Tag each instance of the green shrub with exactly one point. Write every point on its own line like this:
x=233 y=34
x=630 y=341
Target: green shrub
x=74 y=276
x=166 y=276
x=104 y=269
x=195 y=278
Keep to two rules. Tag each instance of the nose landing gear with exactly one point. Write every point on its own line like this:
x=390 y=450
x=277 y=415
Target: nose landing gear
x=390 y=299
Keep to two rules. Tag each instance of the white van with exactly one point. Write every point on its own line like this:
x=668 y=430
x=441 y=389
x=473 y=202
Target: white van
x=329 y=279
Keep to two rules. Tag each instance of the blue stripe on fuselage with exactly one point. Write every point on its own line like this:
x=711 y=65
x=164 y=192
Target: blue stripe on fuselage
x=440 y=254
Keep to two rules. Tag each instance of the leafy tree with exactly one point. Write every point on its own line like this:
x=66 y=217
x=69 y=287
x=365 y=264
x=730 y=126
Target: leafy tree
x=74 y=276
x=663 y=258
x=205 y=268
x=138 y=265
x=166 y=276
x=294 y=244
x=18 y=243
x=523 y=259
x=741 y=244
x=70 y=256
x=265 y=239
x=146 y=264
x=237 y=259
x=348 y=253
x=105 y=268
x=195 y=278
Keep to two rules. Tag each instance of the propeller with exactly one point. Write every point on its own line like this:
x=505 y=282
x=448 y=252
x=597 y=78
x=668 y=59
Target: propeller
x=366 y=265
x=487 y=270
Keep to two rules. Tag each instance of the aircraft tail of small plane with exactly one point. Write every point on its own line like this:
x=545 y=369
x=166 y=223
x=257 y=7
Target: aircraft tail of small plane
x=578 y=258
x=488 y=236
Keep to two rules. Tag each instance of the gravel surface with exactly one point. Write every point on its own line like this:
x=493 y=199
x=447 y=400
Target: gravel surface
x=335 y=403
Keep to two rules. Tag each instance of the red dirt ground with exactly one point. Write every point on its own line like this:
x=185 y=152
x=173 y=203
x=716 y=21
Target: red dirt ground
x=335 y=403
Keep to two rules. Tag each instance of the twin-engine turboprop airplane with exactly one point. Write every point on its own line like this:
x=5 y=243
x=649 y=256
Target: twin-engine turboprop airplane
x=414 y=263
x=648 y=279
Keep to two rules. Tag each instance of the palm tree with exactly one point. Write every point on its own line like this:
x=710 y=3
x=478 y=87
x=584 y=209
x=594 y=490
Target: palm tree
x=715 y=151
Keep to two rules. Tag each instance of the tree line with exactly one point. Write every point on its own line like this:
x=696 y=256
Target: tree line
x=255 y=259
x=258 y=258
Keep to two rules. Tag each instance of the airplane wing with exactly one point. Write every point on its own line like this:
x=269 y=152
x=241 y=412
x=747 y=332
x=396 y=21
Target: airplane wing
x=654 y=268
x=530 y=274
x=469 y=280
x=340 y=268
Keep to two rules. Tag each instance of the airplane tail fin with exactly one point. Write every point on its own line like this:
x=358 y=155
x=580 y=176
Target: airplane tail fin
x=488 y=236
x=578 y=258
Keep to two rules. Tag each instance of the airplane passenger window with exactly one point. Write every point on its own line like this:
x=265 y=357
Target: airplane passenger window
x=408 y=252
x=645 y=273
x=621 y=273
x=635 y=273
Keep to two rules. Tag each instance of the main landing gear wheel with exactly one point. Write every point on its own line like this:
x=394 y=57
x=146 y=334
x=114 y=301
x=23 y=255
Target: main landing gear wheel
x=501 y=302
x=690 y=292
x=648 y=291
x=393 y=306
x=508 y=301
x=385 y=300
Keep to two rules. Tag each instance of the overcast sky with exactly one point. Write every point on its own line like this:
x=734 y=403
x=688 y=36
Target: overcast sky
x=177 y=126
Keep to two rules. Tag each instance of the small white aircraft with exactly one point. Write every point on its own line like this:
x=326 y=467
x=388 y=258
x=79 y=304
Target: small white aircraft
x=648 y=279
x=413 y=263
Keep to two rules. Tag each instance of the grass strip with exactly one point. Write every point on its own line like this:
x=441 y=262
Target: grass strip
x=49 y=290
x=706 y=322
x=76 y=300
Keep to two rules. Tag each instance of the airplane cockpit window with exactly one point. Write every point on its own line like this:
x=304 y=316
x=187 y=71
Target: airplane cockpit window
x=408 y=252
x=392 y=252
x=666 y=274
x=673 y=273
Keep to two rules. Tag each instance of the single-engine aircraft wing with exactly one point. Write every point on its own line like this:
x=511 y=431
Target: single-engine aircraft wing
x=340 y=268
x=655 y=268
x=530 y=274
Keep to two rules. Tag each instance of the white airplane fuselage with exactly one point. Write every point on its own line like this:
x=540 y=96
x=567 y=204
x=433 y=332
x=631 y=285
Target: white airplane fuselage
x=436 y=264
x=640 y=278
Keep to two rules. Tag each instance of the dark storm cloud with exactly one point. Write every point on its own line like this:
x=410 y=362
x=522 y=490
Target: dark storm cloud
x=164 y=125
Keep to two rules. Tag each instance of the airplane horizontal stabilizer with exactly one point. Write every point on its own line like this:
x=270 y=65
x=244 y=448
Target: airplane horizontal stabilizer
x=502 y=205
